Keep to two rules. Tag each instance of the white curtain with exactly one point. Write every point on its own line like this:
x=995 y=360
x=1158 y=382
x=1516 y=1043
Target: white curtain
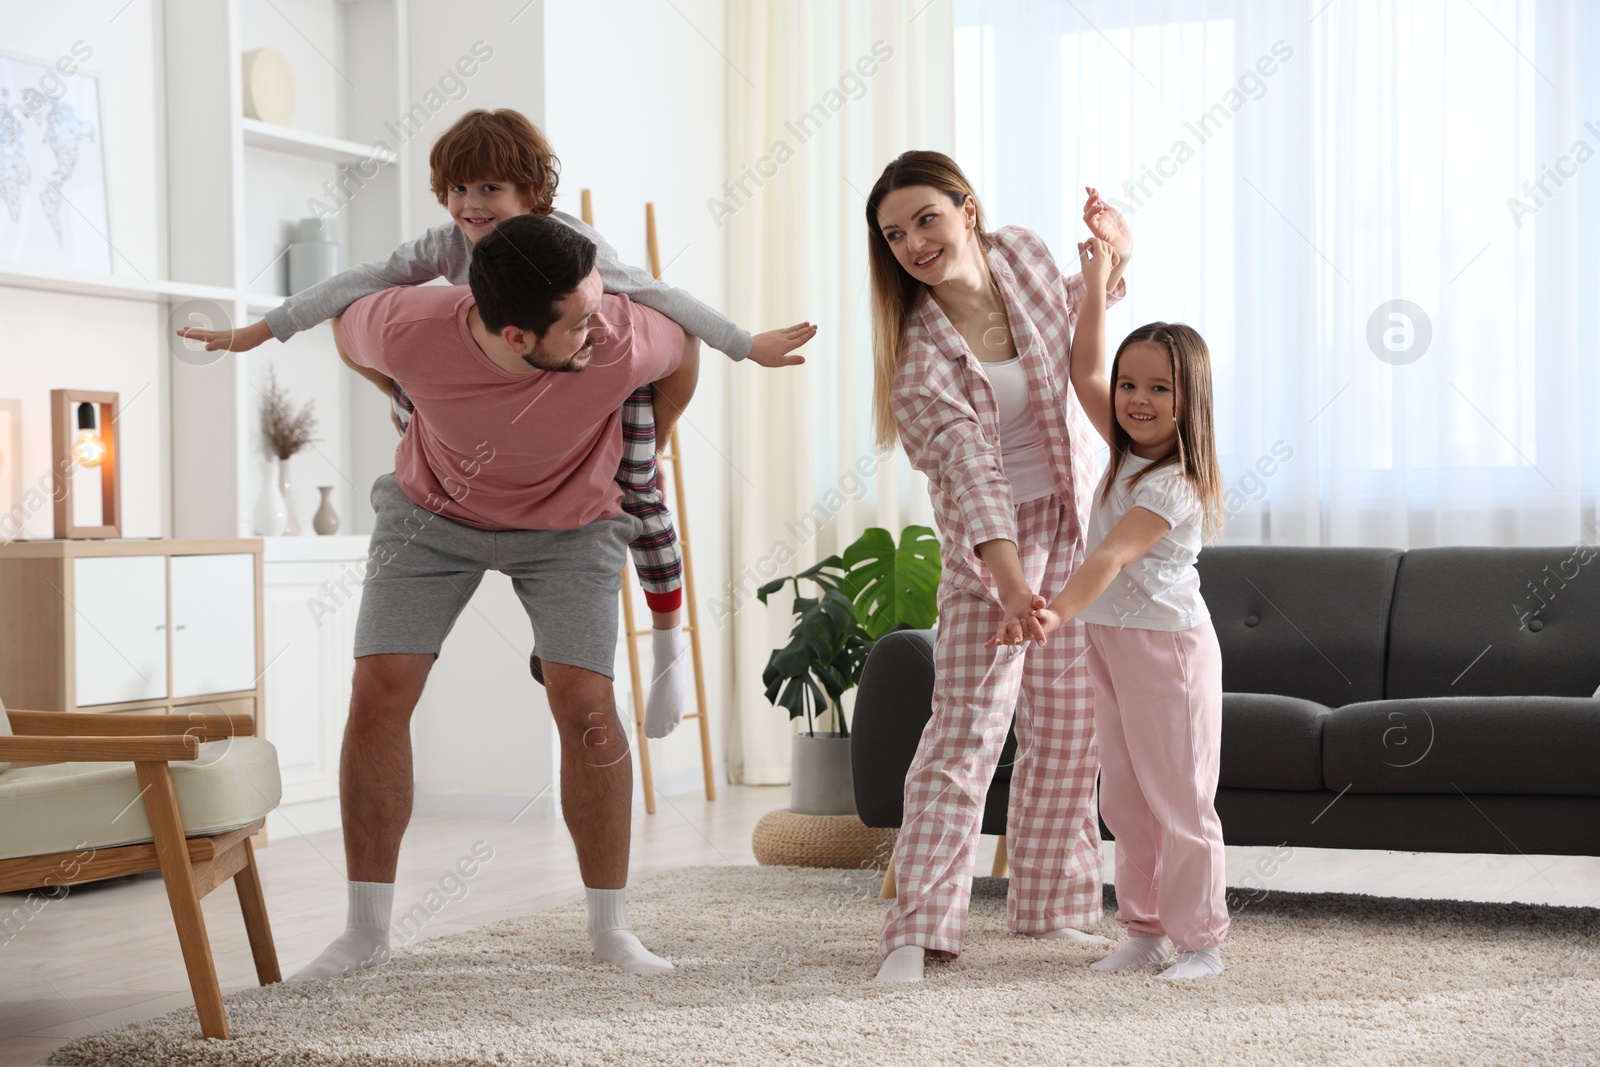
x=821 y=96
x=1381 y=215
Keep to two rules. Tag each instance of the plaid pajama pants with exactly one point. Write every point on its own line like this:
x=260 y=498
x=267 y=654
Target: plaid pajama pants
x=1053 y=833
x=656 y=557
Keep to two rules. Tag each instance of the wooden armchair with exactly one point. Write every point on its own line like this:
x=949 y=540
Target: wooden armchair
x=55 y=803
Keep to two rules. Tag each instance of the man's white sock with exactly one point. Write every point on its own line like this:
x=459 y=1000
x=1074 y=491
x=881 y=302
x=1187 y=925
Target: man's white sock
x=1202 y=963
x=613 y=939
x=365 y=941
x=904 y=964
x=669 y=681
x=1138 y=952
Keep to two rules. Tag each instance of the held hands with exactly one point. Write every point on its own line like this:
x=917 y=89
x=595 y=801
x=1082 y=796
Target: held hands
x=1021 y=623
x=773 y=348
x=241 y=340
x=1097 y=260
x=1040 y=620
x=1107 y=223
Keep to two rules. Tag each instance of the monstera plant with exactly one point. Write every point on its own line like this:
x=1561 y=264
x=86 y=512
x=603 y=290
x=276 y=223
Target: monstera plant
x=873 y=587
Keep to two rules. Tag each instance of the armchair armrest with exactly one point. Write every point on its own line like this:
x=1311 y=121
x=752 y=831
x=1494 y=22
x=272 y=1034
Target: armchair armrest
x=203 y=726
x=99 y=749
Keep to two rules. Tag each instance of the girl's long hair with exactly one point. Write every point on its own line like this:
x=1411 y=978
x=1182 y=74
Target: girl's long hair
x=895 y=292
x=1194 y=452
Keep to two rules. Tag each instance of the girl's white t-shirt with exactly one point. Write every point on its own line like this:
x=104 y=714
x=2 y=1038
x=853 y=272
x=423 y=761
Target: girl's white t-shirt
x=1023 y=454
x=1161 y=589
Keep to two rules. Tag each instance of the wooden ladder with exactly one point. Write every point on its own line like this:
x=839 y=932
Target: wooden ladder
x=668 y=459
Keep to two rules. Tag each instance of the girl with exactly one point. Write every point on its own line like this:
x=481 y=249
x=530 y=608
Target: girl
x=972 y=369
x=1152 y=653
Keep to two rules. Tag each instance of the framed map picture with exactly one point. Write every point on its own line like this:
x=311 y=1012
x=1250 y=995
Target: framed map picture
x=52 y=167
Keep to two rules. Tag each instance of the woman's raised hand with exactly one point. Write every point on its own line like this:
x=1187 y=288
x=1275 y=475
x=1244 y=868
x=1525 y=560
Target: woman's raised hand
x=1107 y=223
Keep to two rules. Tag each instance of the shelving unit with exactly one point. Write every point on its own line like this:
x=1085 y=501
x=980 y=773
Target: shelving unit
x=238 y=186
x=258 y=134
x=82 y=283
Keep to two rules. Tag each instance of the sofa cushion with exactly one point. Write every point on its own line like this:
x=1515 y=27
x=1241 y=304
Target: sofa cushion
x=1495 y=622
x=893 y=705
x=1271 y=742
x=1527 y=745
x=1302 y=622
x=67 y=807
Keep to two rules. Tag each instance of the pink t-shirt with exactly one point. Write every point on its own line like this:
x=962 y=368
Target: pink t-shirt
x=503 y=451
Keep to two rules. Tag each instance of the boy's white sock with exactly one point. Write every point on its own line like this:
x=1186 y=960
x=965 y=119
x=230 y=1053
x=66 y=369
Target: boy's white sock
x=904 y=964
x=1138 y=952
x=1202 y=963
x=612 y=937
x=669 y=681
x=365 y=941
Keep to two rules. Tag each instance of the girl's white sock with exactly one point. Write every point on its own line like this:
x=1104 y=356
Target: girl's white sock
x=1138 y=952
x=1202 y=963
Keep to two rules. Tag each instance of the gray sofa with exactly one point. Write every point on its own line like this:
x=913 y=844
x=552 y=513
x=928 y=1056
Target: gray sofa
x=1436 y=700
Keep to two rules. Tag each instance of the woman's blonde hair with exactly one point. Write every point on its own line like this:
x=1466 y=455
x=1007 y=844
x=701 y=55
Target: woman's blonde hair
x=1194 y=451
x=895 y=292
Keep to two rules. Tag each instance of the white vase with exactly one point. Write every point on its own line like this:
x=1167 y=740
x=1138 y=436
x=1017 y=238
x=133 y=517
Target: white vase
x=270 y=513
x=291 y=524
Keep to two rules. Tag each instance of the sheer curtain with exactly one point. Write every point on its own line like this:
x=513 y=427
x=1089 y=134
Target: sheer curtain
x=1381 y=215
x=821 y=96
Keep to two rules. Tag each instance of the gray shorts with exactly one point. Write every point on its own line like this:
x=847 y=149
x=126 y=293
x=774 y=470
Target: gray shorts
x=422 y=568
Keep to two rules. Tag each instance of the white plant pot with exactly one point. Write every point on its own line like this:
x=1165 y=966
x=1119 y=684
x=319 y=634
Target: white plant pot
x=820 y=782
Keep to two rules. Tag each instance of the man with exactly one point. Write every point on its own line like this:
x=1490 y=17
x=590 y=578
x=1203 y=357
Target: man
x=510 y=464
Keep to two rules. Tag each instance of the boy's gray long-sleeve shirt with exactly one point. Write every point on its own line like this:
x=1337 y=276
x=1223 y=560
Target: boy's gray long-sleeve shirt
x=445 y=251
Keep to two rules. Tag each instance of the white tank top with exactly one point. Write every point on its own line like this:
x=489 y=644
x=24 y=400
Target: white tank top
x=1023 y=454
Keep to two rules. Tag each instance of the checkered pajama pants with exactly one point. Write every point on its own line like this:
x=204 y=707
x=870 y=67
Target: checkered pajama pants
x=1053 y=832
x=656 y=556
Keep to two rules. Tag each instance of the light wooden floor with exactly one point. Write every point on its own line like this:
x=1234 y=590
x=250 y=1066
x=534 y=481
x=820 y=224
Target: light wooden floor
x=107 y=954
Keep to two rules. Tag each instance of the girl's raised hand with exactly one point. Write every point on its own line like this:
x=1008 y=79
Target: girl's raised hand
x=1096 y=259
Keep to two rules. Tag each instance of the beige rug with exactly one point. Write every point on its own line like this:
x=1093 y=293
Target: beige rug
x=774 y=967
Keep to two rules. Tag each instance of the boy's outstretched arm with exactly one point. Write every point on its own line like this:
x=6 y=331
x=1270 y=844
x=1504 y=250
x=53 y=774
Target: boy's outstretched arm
x=673 y=393
x=435 y=253
x=773 y=348
x=770 y=349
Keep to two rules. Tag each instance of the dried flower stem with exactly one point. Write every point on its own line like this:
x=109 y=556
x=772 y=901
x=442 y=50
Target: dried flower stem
x=285 y=430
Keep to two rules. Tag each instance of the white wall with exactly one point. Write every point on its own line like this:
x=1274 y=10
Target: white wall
x=51 y=341
x=632 y=98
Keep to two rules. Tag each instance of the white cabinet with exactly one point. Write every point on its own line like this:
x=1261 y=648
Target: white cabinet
x=312 y=594
x=156 y=626
x=213 y=624
x=120 y=609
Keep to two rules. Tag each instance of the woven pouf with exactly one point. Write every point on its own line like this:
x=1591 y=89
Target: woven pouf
x=784 y=839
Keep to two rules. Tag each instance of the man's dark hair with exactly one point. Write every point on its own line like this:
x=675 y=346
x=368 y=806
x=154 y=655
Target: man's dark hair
x=524 y=267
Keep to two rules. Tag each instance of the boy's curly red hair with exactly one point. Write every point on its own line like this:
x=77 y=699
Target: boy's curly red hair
x=501 y=145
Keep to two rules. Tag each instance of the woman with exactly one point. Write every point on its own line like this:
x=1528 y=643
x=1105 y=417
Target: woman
x=972 y=369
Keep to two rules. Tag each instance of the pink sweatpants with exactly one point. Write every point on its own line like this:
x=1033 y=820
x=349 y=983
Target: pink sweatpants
x=1158 y=722
x=1053 y=838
